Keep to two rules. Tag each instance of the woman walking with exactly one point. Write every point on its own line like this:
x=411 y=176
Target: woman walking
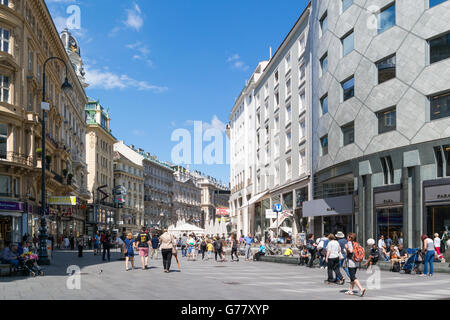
x=332 y=259
x=203 y=247
x=437 y=245
x=80 y=243
x=428 y=249
x=168 y=247
x=128 y=249
x=234 y=247
x=352 y=265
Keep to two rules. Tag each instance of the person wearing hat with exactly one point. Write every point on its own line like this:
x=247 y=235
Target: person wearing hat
x=340 y=236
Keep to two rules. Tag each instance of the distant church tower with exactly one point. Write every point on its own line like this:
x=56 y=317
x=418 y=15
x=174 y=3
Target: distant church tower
x=74 y=52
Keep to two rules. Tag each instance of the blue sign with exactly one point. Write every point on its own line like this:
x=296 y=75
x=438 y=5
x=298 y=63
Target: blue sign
x=277 y=208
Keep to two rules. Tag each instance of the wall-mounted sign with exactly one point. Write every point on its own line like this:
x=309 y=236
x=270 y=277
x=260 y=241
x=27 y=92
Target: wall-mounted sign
x=12 y=206
x=270 y=214
x=437 y=193
x=328 y=207
x=62 y=201
x=386 y=199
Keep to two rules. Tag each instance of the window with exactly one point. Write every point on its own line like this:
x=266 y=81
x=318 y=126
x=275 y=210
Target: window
x=440 y=106
x=440 y=48
x=324 y=23
x=439 y=162
x=324 y=105
x=4 y=40
x=4 y=87
x=5 y=186
x=348 y=42
x=288 y=169
x=288 y=114
x=276 y=77
x=301 y=45
x=324 y=145
x=30 y=60
x=302 y=73
x=324 y=64
x=388 y=170
x=302 y=104
x=346 y=4
x=277 y=148
x=287 y=61
x=288 y=140
x=266 y=90
x=348 y=132
x=386 y=69
x=3 y=140
x=277 y=175
x=277 y=99
x=348 y=88
x=288 y=88
x=277 y=123
x=435 y=2
x=447 y=159
x=302 y=161
x=386 y=18
x=387 y=120
x=302 y=130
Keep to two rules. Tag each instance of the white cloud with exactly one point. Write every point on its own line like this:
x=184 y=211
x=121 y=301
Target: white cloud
x=107 y=80
x=142 y=52
x=134 y=18
x=236 y=62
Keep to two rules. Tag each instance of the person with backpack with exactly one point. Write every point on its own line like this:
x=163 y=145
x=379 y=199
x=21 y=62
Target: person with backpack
x=143 y=243
x=218 y=248
x=355 y=255
x=312 y=249
x=106 y=243
x=322 y=248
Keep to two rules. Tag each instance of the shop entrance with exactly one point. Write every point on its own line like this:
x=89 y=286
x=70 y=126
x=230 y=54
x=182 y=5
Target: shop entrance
x=5 y=231
x=334 y=224
x=390 y=223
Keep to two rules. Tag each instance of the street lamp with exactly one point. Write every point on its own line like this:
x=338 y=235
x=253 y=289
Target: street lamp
x=66 y=87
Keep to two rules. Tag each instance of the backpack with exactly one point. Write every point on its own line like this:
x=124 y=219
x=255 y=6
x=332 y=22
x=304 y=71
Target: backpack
x=358 y=252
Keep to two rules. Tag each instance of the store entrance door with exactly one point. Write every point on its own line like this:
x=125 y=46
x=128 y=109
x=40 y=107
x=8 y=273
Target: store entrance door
x=5 y=231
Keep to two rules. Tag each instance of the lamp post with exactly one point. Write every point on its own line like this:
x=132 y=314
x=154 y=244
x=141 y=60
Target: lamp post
x=66 y=86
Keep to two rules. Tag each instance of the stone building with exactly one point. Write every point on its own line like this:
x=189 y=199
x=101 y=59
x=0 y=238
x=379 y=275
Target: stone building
x=186 y=197
x=27 y=38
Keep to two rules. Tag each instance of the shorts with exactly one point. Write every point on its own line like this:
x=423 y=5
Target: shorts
x=143 y=252
x=190 y=249
x=352 y=273
x=130 y=254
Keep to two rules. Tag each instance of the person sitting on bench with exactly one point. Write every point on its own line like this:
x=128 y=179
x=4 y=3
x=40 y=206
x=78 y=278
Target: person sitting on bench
x=11 y=255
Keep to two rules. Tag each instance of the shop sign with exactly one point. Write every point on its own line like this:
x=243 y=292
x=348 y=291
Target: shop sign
x=437 y=193
x=62 y=201
x=222 y=212
x=328 y=207
x=270 y=214
x=386 y=199
x=12 y=206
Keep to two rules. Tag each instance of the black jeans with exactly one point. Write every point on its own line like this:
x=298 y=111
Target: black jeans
x=333 y=266
x=218 y=252
x=313 y=256
x=303 y=261
x=234 y=253
x=167 y=258
x=80 y=251
x=203 y=248
x=106 y=249
x=257 y=256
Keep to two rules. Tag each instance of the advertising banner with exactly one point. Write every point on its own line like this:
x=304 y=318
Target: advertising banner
x=62 y=201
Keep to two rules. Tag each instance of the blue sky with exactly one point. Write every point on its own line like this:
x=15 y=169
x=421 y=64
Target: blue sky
x=160 y=65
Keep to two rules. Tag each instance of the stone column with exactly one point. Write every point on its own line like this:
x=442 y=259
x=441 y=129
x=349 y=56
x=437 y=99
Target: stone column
x=407 y=205
x=418 y=211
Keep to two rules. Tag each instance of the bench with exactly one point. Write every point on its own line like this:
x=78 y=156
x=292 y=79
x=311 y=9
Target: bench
x=5 y=270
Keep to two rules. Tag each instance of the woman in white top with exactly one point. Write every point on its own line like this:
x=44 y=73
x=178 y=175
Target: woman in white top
x=332 y=259
x=428 y=249
x=437 y=245
x=352 y=266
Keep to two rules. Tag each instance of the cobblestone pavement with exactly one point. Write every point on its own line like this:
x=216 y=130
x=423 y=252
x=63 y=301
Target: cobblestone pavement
x=209 y=280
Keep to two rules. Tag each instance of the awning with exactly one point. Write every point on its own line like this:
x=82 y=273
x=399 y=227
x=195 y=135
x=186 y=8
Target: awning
x=328 y=207
x=256 y=198
x=11 y=214
x=286 y=229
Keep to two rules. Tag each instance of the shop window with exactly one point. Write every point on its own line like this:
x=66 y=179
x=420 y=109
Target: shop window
x=386 y=69
x=387 y=120
x=440 y=106
x=324 y=105
x=386 y=18
x=440 y=48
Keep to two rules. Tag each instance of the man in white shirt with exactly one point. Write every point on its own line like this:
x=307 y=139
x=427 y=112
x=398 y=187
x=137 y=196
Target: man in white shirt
x=332 y=259
x=382 y=247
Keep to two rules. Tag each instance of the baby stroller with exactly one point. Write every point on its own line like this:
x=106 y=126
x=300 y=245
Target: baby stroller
x=29 y=268
x=411 y=265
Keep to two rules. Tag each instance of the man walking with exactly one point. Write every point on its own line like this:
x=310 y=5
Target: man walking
x=143 y=242
x=248 y=246
x=340 y=236
x=155 y=245
x=183 y=242
x=107 y=243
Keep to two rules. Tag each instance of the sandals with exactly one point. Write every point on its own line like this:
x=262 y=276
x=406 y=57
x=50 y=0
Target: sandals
x=363 y=292
x=350 y=293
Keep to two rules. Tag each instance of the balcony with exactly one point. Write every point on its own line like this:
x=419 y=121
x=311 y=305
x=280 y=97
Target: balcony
x=20 y=159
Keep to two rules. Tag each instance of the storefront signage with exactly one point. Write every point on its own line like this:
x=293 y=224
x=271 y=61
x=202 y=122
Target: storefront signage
x=386 y=199
x=328 y=207
x=437 y=193
x=270 y=214
x=222 y=212
x=62 y=201
x=12 y=206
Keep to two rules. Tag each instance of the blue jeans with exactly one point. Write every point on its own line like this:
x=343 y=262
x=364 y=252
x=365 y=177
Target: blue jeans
x=14 y=263
x=341 y=262
x=183 y=251
x=429 y=259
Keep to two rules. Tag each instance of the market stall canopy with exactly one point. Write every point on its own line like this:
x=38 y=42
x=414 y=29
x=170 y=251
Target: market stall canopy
x=188 y=228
